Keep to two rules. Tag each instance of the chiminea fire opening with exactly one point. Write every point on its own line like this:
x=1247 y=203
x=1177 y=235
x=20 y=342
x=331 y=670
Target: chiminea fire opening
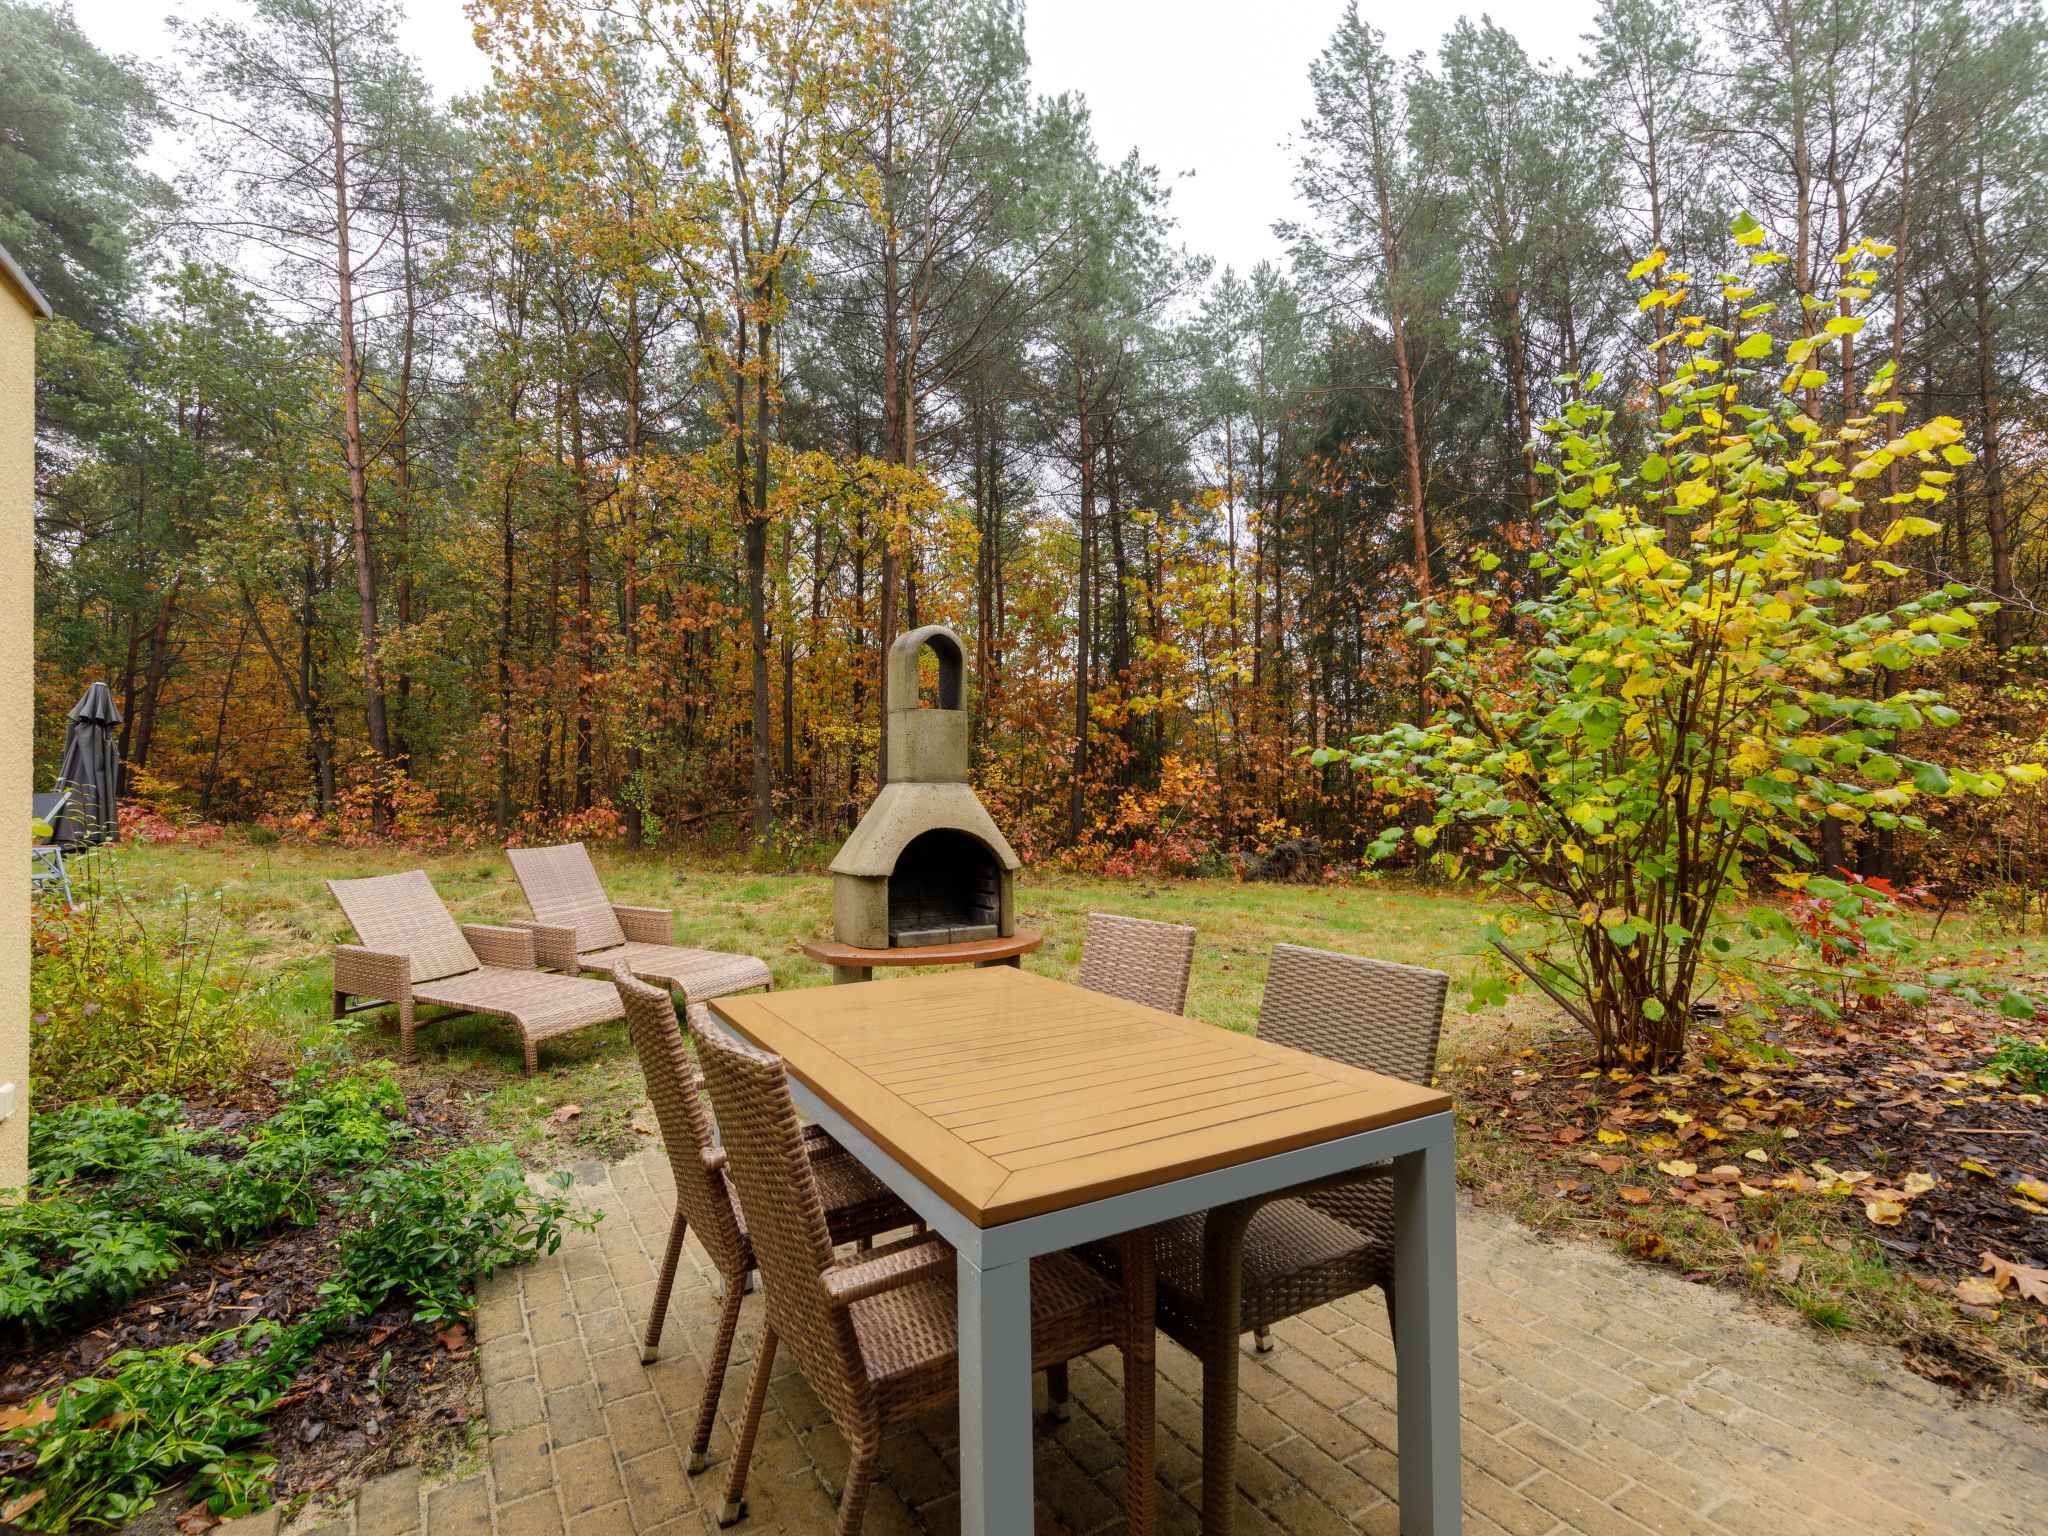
x=946 y=889
x=926 y=866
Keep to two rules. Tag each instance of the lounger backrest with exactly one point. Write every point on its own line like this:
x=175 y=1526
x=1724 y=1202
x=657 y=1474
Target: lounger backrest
x=403 y=915
x=562 y=887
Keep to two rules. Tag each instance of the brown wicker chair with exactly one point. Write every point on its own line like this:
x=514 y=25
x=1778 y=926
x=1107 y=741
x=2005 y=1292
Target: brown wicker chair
x=1304 y=1247
x=1138 y=960
x=575 y=928
x=877 y=1339
x=413 y=952
x=856 y=1205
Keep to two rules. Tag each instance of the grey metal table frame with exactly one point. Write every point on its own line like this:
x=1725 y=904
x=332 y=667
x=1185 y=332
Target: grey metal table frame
x=996 y=1497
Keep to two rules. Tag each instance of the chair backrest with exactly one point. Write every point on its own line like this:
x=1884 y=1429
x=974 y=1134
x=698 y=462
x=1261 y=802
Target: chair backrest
x=685 y=1122
x=403 y=915
x=562 y=887
x=1138 y=960
x=1365 y=1013
x=771 y=1168
x=46 y=808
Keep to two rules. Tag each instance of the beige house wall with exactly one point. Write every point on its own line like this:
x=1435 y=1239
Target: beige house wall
x=19 y=306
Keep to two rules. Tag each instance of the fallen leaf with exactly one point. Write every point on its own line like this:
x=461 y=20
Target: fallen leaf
x=1840 y=1130
x=1788 y=1271
x=1611 y=1137
x=2034 y=1190
x=1840 y=1244
x=37 y=1412
x=1918 y=1183
x=1607 y=1164
x=1679 y=1170
x=564 y=1115
x=1636 y=1196
x=379 y=1335
x=1650 y=1245
x=193 y=1357
x=117 y=1420
x=455 y=1336
x=23 y=1505
x=1757 y=1155
x=1978 y=1293
x=2030 y=1282
x=196 y=1519
x=1751 y=1192
x=1727 y=1173
x=2028 y=1205
x=1886 y=1213
x=1675 y=1116
x=1568 y=1135
x=1977 y=1168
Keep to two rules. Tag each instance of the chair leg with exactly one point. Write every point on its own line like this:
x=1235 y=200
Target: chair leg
x=1141 y=1348
x=714 y=1375
x=405 y=1030
x=860 y=1477
x=532 y=1054
x=650 y=1345
x=1387 y=1290
x=1262 y=1340
x=1059 y=1397
x=341 y=1005
x=733 y=1508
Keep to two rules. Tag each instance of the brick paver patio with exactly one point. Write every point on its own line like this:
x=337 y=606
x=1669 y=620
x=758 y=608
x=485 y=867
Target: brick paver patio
x=1598 y=1398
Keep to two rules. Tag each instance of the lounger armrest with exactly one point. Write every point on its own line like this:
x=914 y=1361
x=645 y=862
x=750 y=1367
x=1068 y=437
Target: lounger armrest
x=360 y=972
x=554 y=948
x=646 y=925
x=713 y=1158
x=923 y=1260
x=510 y=949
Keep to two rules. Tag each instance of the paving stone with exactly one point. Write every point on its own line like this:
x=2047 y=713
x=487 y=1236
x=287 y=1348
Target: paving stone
x=264 y=1524
x=1599 y=1399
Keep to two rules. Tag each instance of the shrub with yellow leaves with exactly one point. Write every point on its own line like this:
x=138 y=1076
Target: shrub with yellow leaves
x=1711 y=670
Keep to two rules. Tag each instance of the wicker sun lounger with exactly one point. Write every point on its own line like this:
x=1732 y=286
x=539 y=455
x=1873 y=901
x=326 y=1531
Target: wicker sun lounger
x=414 y=952
x=576 y=928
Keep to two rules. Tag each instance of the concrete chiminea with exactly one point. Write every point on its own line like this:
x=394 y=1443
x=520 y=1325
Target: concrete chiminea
x=926 y=865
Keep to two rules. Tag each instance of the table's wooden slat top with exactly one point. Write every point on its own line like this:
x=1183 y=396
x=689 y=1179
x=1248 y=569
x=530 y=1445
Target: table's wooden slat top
x=1011 y=1094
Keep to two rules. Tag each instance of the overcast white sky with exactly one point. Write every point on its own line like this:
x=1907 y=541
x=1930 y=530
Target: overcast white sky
x=1209 y=87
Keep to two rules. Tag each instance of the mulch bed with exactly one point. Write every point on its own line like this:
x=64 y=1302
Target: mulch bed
x=380 y=1393
x=1744 y=1151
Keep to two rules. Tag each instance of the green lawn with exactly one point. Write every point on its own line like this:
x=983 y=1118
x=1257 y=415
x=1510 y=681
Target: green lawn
x=272 y=897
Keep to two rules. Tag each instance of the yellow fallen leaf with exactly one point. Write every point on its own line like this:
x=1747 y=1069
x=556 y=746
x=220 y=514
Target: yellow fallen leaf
x=1977 y=1293
x=1841 y=1130
x=1757 y=1155
x=1676 y=1116
x=1918 y=1183
x=1679 y=1169
x=1751 y=1191
x=2033 y=1189
x=1977 y=1168
x=1611 y=1137
x=1885 y=1213
x=1636 y=1196
x=2030 y=1282
x=2028 y=1205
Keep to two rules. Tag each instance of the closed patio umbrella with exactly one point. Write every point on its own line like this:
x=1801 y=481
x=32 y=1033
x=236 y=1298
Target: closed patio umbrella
x=91 y=770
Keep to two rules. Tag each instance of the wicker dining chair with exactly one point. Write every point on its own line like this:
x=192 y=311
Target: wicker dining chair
x=855 y=1204
x=576 y=927
x=413 y=952
x=1138 y=960
x=1304 y=1247
x=877 y=1338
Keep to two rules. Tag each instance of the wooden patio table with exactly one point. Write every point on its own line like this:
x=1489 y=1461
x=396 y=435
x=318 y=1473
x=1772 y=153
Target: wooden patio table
x=1019 y=1115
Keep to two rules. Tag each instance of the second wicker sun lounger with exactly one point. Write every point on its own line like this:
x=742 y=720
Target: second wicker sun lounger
x=414 y=952
x=577 y=928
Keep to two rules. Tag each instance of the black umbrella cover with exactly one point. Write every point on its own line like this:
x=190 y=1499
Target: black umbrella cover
x=91 y=770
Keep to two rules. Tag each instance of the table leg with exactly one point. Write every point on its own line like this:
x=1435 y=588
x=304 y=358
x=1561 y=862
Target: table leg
x=995 y=1400
x=1426 y=1340
x=842 y=974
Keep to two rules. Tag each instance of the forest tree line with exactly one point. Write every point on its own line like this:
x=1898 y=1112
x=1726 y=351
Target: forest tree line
x=563 y=459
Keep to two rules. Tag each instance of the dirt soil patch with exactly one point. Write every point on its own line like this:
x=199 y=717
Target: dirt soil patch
x=378 y=1394
x=1871 y=1177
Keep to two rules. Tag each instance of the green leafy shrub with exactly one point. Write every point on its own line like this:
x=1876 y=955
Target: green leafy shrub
x=2022 y=1064
x=1697 y=688
x=126 y=1002
x=60 y=1257
x=428 y=1229
x=160 y=1416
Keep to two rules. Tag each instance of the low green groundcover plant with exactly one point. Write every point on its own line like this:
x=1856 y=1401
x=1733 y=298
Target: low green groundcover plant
x=2023 y=1064
x=124 y=1195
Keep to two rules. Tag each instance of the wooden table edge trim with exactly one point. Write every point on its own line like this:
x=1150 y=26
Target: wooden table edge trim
x=832 y=952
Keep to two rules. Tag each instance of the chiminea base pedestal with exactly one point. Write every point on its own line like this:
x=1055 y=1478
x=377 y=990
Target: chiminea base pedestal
x=851 y=964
